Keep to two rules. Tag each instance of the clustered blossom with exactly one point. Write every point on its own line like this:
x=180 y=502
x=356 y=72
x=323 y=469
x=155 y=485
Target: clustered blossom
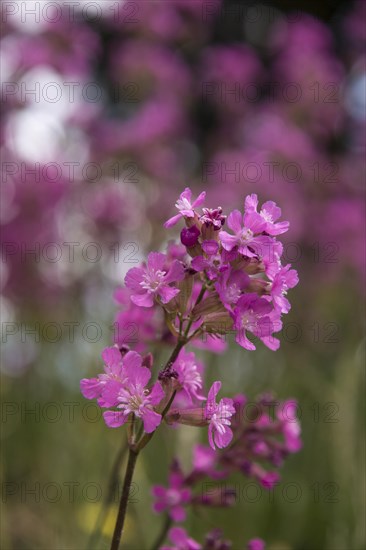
x=214 y=283
x=213 y=541
x=124 y=388
x=244 y=283
x=262 y=432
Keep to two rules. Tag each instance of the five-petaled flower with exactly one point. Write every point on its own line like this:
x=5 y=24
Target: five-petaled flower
x=174 y=497
x=218 y=416
x=153 y=280
x=270 y=212
x=185 y=206
x=123 y=386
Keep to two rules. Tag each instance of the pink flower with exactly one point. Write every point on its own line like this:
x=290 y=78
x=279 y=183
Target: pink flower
x=181 y=540
x=291 y=426
x=189 y=376
x=174 y=497
x=252 y=314
x=213 y=217
x=92 y=388
x=246 y=238
x=131 y=396
x=185 y=206
x=231 y=285
x=256 y=544
x=153 y=280
x=270 y=212
x=218 y=415
x=284 y=279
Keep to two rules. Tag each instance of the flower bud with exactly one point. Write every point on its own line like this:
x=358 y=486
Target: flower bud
x=189 y=417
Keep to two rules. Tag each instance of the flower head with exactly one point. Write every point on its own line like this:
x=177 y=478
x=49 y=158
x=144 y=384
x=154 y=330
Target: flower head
x=132 y=396
x=123 y=385
x=247 y=234
x=174 y=497
x=270 y=212
x=93 y=388
x=181 y=540
x=185 y=206
x=153 y=280
x=213 y=217
x=256 y=544
x=284 y=279
x=218 y=415
x=252 y=314
x=189 y=375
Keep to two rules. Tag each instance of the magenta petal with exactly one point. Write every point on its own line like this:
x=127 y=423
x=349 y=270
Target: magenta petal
x=243 y=341
x=151 y=420
x=167 y=293
x=199 y=200
x=113 y=359
x=133 y=278
x=157 y=393
x=156 y=260
x=214 y=390
x=199 y=263
x=210 y=437
x=223 y=440
x=210 y=247
x=175 y=273
x=114 y=419
x=228 y=241
x=172 y=221
x=143 y=300
x=251 y=203
x=271 y=342
x=110 y=393
x=90 y=387
x=235 y=221
x=137 y=376
x=187 y=194
x=271 y=208
x=178 y=513
x=159 y=507
x=158 y=491
x=254 y=222
x=132 y=359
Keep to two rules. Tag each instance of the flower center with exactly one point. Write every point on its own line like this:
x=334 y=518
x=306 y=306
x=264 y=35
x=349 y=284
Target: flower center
x=246 y=235
x=183 y=204
x=247 y=319
x=152 y=280
x=173 y=497
x=233 y=293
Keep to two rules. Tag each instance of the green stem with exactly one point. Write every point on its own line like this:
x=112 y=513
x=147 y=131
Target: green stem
x=117 y=535
x=113 y=480
x=134 y=451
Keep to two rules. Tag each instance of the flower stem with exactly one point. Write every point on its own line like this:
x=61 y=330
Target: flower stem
x=132 y=457
x=113 y=480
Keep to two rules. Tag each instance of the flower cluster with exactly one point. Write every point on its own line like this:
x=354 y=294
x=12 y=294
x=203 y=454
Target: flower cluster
x=264 y=433
x=214 y=541
x=215 y=282
x=238 y=275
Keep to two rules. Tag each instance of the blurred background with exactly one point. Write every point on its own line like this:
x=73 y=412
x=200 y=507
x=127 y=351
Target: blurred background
x=109 y=109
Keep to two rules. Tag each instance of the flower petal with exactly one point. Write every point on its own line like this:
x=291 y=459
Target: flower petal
x=114 y=419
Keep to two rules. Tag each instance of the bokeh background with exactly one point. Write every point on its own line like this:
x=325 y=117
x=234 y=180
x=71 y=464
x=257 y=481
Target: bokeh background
x=110 y=109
